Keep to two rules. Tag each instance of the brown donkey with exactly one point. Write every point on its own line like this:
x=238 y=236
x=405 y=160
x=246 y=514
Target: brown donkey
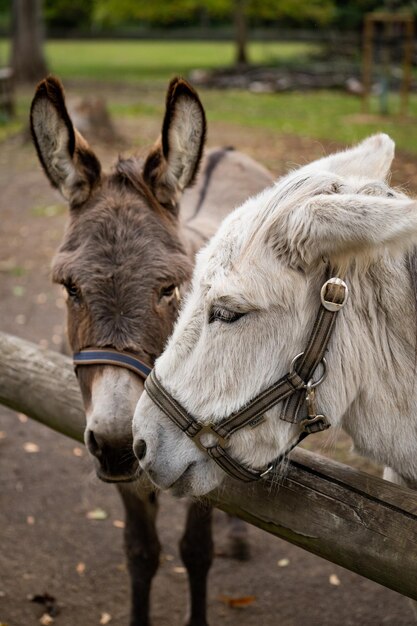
x=126 y=256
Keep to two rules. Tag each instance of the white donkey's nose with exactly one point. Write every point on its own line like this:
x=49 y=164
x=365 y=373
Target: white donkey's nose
x=139 y=448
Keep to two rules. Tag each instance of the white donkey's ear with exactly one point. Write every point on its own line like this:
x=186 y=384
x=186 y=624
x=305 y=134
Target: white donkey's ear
x=338 y=227
x=370 y=159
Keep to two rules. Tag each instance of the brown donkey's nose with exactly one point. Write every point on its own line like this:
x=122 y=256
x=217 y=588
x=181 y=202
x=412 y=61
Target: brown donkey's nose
x=140 y=449
x=94 y=444
x=116 y=459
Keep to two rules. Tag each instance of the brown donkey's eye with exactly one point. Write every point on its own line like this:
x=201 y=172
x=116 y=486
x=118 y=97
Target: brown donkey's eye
x=72 y=290
x=168 y=291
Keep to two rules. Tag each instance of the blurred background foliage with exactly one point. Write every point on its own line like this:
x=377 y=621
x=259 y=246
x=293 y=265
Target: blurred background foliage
x=96 y=15
x=144 y=43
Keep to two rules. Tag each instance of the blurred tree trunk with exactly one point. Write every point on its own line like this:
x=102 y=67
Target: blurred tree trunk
x=28 y=60
x=241 y=32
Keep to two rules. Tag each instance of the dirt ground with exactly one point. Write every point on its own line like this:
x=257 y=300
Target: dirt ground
x=48 y=544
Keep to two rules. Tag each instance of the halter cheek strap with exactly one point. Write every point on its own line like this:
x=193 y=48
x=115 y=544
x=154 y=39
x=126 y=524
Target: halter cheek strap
x=99 y=356
x=295 y=389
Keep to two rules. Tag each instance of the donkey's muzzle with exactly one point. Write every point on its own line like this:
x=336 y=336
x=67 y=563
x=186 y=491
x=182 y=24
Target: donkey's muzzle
x=116 y=461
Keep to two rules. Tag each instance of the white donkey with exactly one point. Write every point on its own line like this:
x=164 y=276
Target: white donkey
x=254 y=302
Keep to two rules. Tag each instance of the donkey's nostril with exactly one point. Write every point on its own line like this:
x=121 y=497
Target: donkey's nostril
x=93 y=444
x=140 y=449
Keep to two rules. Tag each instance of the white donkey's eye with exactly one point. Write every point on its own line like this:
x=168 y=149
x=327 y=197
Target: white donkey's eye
x=224 y=315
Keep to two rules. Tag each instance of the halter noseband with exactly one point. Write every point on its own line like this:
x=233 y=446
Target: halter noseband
x=295 y=389
x=108 y=356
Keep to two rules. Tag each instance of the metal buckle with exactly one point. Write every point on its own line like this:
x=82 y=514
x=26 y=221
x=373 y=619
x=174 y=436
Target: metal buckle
x=209 y=430
x=328 y=304
x=312 y=384
x=317 y=419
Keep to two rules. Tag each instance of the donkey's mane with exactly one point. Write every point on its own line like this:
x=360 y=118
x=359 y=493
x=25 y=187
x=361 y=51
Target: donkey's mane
x=412 y=269
x=127 y=172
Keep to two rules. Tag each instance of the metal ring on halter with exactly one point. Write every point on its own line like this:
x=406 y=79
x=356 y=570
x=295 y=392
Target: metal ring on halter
x=267 y=471
x=312 y=384
x=329 y=304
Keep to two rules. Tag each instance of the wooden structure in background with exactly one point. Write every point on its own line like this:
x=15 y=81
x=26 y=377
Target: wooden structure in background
x=363 y=523
x=388 y=21
x=6 y=93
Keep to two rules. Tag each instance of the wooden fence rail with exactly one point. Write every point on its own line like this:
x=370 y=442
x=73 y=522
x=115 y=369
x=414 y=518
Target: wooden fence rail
x=363 y=523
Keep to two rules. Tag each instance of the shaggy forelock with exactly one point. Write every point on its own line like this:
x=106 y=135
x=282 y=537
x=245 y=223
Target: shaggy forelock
x=254 y=231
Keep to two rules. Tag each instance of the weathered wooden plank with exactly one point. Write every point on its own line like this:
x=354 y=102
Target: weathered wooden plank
x=338 y=519
x=363 y=523
x=42 y=384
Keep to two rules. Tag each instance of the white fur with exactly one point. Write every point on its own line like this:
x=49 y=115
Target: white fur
x=269 y=260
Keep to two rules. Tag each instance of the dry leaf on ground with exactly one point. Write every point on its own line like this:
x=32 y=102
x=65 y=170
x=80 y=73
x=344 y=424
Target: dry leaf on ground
x=31 y=447
x=237 y=603
x=97 y=514
x=118 y=523
x=105 y=618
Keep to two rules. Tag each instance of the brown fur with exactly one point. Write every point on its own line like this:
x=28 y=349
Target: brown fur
x=49 y=98
x=120 y=250
x=123 y=246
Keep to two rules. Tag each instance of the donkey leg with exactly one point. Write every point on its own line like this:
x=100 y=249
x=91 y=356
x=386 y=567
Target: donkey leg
x=142 y=548
x=196 y=548
x=239 y=547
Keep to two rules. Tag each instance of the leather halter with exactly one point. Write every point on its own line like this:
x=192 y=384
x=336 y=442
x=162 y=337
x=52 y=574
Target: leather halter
x=293 y=390
x=109 y=356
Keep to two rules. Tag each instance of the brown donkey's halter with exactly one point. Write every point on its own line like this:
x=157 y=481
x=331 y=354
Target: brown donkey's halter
x=291 y=388
x=111 y=356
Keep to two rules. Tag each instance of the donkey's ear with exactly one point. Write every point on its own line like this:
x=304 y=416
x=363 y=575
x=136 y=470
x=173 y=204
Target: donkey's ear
x=173 y=163
x=370 y=159
x=68 y=161
x=338 y=227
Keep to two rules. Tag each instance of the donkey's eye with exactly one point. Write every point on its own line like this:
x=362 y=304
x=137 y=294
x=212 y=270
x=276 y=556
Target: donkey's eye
x=167 y=292
x=72 y=290
x=224 y=315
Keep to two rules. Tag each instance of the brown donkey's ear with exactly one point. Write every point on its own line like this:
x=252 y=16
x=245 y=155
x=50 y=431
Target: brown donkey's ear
x=173 y=163
x=68 y=161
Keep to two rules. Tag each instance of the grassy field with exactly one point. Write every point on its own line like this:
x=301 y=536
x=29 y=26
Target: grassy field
x=150 y=60
x=322 y=115
x=149 y=64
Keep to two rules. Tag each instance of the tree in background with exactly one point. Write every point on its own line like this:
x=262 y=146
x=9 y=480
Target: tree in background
x=67 y=15
x=174 y=12
x=28 y=60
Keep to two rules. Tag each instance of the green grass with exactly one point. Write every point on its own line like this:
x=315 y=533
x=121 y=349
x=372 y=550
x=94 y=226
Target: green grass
x=324 y=115
x=320 y=114
x=7 y=129
x=144 y=60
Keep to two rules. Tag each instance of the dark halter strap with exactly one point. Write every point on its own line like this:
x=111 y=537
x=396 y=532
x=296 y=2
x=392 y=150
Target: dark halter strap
x=99 y=356
x=294 y=389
